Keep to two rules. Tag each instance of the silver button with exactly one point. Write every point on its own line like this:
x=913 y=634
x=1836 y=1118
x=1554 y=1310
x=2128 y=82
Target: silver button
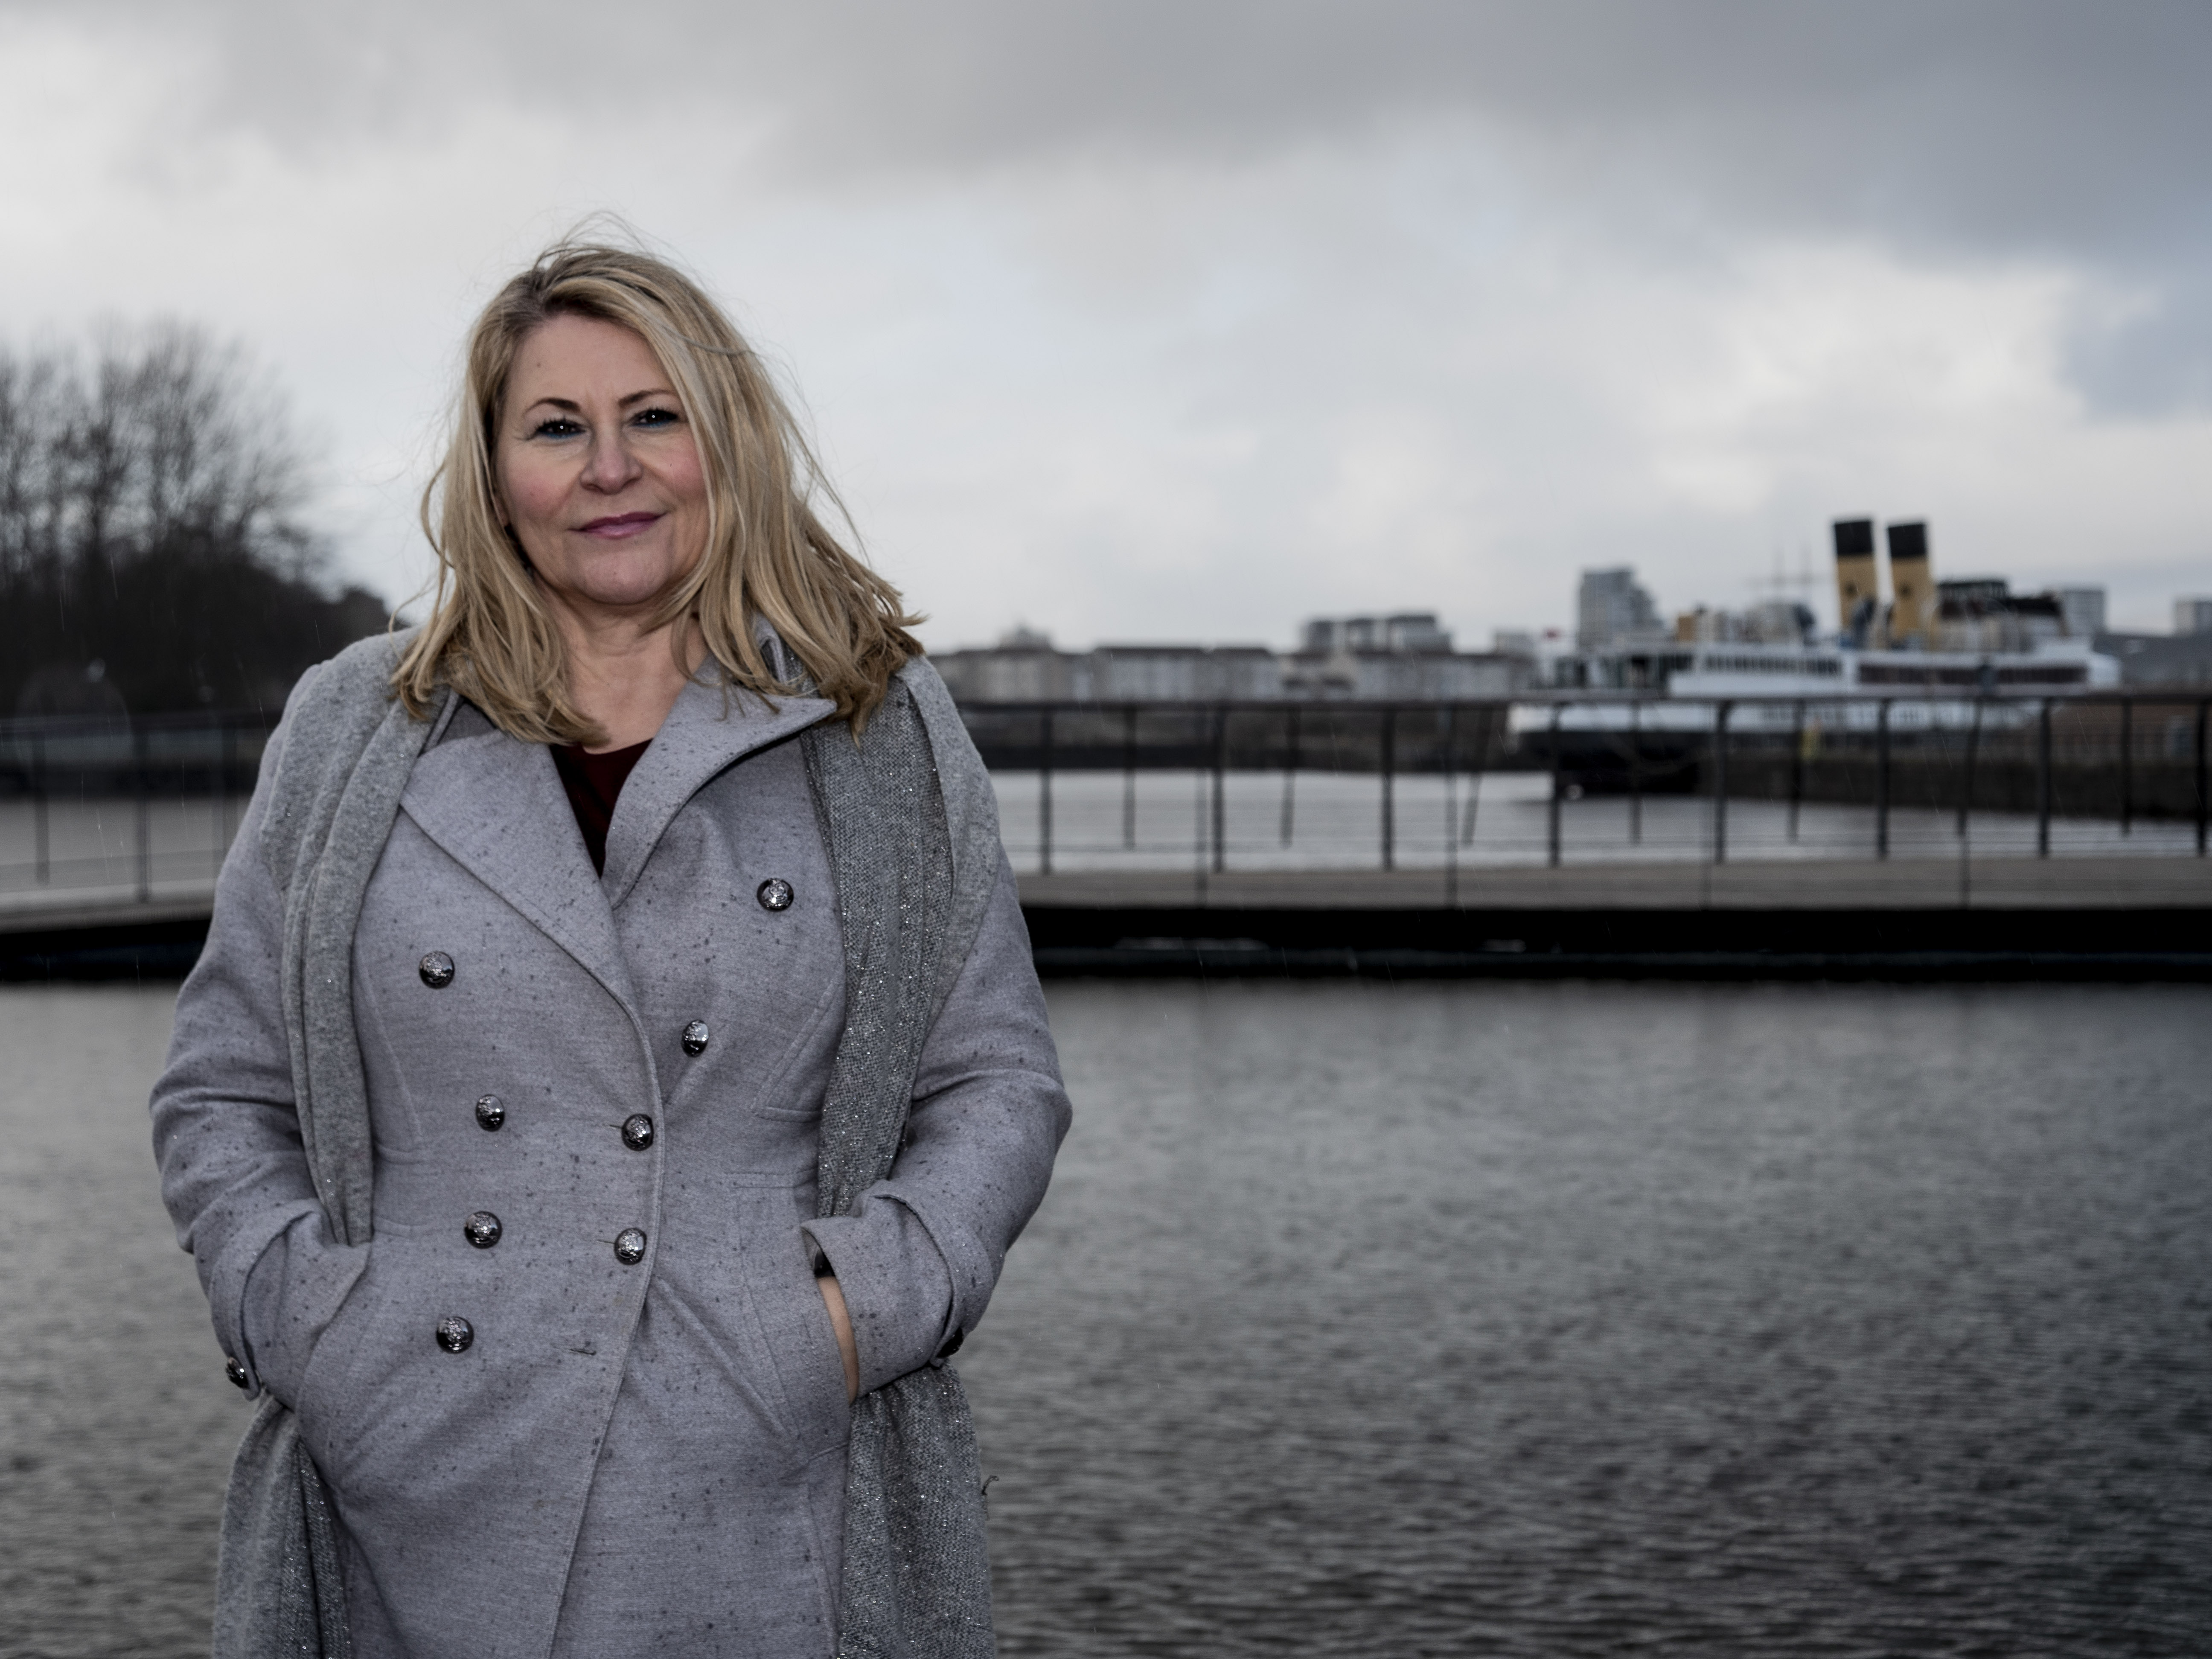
x=491 y=1111
x=637 y=1132
x=437 y=970
x=455 y=1333
x=482 y=1229
x=694 y=1037
x=774 y=893
x=629 y=1247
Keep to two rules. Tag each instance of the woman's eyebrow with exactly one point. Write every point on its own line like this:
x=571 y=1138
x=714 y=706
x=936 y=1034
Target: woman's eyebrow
x=621 y=403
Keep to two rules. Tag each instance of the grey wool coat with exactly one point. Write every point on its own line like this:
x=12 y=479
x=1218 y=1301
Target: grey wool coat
x=520 y=1255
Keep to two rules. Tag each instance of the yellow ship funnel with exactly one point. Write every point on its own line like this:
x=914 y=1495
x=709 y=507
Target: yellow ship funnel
x=1912 y=585
x=1858 y=599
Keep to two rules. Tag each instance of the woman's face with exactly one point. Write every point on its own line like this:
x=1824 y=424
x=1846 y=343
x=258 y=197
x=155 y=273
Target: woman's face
x=598 y=477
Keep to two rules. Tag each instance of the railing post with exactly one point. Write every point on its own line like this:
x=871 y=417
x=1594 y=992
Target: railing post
x=1220 y=783
x=226 y=758
x=1044 y=793
x=1636 y=773
x=2042 y=780
x=1966 y=783
x=1290 y=768
x=39 y=808
x=2201 y=802
x=1882 y=780
x=2127 y=765
x=1796 y=769
x=1451 y=806
x=1474 y=778
x=1551 y=826
x=1721 y=712
x=1389 y=768
x=1129 y=778
x=1198 y=851
x=144 y=826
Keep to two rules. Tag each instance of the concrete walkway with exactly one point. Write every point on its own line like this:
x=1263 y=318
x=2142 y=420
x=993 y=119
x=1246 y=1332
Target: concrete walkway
x=1931 y=887
x=2070 y=883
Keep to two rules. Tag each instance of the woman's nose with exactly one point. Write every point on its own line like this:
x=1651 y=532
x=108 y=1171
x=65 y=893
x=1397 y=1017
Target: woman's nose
x=609 y=465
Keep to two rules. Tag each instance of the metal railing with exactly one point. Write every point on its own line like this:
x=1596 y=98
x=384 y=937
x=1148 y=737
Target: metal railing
x=2126 y=761
x=83 y=800
x=129 y=811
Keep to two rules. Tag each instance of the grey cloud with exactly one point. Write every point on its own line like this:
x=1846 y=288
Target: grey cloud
x=2068 y=130
x=2024 y=122
x=2154 y=361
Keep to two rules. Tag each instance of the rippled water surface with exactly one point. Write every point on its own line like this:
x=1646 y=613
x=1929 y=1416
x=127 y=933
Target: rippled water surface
x=1527 y=1320
x=1577 y=1320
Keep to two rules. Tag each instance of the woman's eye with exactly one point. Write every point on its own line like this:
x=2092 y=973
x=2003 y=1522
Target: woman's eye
x=657 y=416
x=558 y=427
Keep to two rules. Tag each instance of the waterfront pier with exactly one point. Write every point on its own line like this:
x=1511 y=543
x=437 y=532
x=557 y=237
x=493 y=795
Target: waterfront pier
x=1897 y=834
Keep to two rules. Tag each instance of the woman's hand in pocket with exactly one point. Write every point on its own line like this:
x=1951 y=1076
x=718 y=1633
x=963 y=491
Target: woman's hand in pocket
x=841 y=1322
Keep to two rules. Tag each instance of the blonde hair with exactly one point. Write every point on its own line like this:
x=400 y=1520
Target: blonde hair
x=768 y=555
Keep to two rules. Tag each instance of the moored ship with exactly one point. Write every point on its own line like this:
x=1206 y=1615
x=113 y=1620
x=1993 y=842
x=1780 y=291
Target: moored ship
x=1936 y=658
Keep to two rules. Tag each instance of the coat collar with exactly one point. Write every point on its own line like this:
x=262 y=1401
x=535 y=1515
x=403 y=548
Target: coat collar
x=496 y=806
x=710 y=729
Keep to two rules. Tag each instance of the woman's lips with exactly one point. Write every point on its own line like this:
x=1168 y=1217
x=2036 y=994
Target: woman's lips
x=620 y=525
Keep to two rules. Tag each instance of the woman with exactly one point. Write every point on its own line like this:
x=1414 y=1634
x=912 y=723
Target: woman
x=615 y=1072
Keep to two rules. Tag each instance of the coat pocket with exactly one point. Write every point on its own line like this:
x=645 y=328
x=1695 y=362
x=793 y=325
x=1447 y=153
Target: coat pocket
x=795 y=1322
x=330 y=1398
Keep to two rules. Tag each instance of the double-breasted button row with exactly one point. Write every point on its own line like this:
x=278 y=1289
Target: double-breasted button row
x=483 y=1228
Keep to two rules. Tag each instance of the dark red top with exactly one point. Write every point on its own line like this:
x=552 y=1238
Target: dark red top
x=593 y=783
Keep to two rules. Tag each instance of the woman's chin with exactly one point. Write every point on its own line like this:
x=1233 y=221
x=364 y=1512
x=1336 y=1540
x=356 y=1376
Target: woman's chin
x=619 y=591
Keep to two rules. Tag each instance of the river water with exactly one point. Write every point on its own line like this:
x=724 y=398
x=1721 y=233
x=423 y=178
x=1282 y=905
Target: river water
x=1543 y=1319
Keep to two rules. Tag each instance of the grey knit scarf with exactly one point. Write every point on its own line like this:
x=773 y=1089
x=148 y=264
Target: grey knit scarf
x=906 y=813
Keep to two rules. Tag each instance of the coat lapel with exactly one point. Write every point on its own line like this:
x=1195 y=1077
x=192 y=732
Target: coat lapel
x=496 y=806
x=707 y=731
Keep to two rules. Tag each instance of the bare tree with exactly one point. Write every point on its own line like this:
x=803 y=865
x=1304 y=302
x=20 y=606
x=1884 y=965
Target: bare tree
x=162 y=435
x=149 y=523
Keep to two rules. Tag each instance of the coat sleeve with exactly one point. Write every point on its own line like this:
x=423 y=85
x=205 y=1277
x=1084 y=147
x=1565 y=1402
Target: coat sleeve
x=917 y=1259
x=226 y=1132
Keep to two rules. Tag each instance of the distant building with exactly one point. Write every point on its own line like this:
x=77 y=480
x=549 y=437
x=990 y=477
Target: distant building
x=1180 y=673
x=2192 y=615
x=2083 y=609
x=1983 y=613
x=1407 y=676
x=1515 y=642
x=1612 y=606
x=1771 y=622
x=1405 y=658
x=1409 y=631
x=2156 y=661
x=1023 y=667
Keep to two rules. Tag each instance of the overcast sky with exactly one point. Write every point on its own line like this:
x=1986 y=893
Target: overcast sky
x=1189 y=321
